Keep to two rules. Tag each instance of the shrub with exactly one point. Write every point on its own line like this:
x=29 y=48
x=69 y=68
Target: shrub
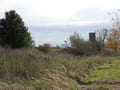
x=79 y=46
x=57 y=47
x=45 y=48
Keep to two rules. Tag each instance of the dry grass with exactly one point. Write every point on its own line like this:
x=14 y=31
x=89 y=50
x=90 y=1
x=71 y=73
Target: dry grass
x=53 y=71
x=4 y=86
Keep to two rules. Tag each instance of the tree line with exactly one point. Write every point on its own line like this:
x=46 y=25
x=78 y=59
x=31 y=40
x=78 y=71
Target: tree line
x=14 y=34
x=106 y=38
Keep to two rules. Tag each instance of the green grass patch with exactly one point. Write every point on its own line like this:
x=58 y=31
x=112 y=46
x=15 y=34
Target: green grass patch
x=106 y=72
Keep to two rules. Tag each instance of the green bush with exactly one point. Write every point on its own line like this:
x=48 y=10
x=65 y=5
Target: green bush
x=79 y=46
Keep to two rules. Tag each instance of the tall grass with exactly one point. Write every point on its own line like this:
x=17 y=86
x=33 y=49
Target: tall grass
x=45 y=71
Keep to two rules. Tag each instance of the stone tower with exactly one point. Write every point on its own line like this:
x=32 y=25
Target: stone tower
x=92 y=37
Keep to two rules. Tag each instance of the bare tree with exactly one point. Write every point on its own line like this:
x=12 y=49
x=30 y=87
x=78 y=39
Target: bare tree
x=116 y=19
x=102 y=36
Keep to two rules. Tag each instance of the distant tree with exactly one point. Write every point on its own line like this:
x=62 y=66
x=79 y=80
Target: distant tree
x=116 y=19
x=102 y=36
x=114 y=40
x=114 y=36
x=77 y=45
x=13 y=32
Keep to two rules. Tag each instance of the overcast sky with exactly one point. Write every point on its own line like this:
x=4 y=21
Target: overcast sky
x=60 y=12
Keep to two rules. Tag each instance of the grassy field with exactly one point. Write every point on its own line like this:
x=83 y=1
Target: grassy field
x=33 y=70
x=107 y=75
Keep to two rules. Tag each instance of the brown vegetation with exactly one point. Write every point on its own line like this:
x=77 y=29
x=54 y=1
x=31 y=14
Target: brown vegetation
x=45 y=48
x=55 y=70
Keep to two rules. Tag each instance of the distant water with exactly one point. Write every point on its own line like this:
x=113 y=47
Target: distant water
x=56 y=35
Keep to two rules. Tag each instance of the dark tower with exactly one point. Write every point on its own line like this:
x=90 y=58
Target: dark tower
x=92 y=37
